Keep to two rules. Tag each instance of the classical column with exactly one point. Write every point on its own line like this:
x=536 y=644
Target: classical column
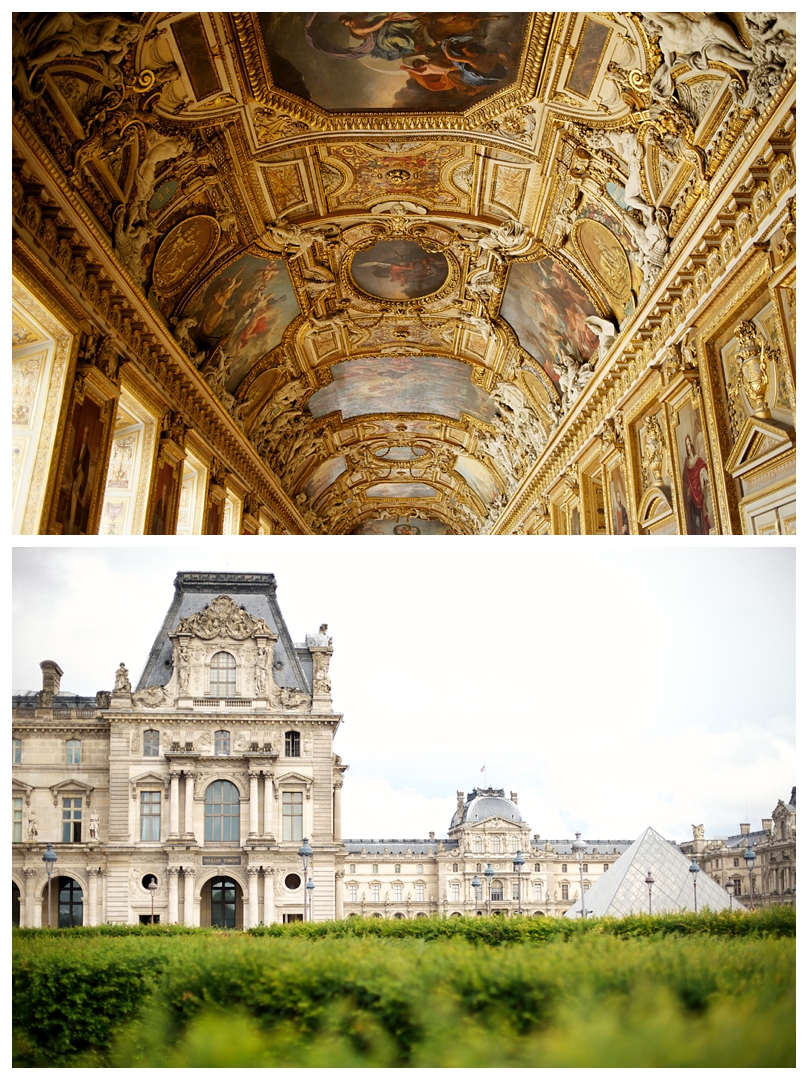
x=268 y=801
x=190 y=915
x=173 y=895
x=252 y=899
x=338 y=811
x=189 y=805
x=269 y=896
x=174 y=805
x=339 y=888
x=92 y=896
x=254 y=805
x=28 y=918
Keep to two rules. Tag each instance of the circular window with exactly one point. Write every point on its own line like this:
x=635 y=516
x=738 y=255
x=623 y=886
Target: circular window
x=147 y=880
x=292 y=881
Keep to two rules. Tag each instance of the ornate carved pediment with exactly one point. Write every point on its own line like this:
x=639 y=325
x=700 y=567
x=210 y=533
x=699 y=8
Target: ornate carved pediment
x=70 y=788
x=152 y=697
x=654 y=506
x=758 y=442
x=224 y=618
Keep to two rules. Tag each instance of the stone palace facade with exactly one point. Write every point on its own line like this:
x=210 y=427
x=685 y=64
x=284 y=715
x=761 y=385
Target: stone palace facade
x=205 y=778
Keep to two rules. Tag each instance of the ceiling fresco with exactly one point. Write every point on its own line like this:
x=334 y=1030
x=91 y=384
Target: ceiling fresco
x=395 y=248
x=354 y=61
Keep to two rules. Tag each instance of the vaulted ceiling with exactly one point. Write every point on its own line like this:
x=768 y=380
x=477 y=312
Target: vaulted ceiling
x=394 y=246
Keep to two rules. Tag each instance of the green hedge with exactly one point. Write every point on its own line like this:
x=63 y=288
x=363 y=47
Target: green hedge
x=633 y=993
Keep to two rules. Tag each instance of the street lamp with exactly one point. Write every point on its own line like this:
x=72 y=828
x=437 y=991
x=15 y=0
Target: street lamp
x=519 y=862
x=152 y=887
x=730 y=887
x=749 y=857
x=309 y=888
x=649 y=881
x=694 y=869
x=579 y=847
x=49 y=858
x=305 y=852
x=489 y=873
x=476 y=884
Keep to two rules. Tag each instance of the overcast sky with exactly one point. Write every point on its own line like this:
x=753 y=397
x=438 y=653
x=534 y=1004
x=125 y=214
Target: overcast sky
x=612 y=688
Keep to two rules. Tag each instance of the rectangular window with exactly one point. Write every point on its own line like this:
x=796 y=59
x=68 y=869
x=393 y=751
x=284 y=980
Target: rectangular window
x=537 y=890
x=151 y=743
x=419 y=869
x=16 y=820
x=537 y=868
x=293 y=744
x=605 y=867
x=497 y=892
x=419 y=892
x=398 y=868
x=293 y=815
x=454 y=867
x=352 y=868
x=516 y=890
x=71 y=821
x=375 y=868
x=221 y=743
x=397 y=893
x=16 y=751
x=374 y=893
x=73 y=752
x=586 y=868
x=495 y=845
x=150 y=816
x=455 y=892
x=352 y=893
x=565 y=892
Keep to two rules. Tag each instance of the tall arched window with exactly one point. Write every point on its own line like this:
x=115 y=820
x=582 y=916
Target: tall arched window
x=73 y=751
x=223 y=675
x=478 y=845
x=71 y=903
x=222 y=812
x=495 y=845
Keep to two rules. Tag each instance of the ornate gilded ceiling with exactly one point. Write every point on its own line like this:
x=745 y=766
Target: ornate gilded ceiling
x=395 y=247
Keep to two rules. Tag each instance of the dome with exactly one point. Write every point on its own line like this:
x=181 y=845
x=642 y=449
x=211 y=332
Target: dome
x=484 y=803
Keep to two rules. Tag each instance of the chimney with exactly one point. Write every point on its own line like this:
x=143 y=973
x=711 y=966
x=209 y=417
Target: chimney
x=767 y=825
x=51 y=678
x=744 y=828
x=514 y=797
x=431 y=836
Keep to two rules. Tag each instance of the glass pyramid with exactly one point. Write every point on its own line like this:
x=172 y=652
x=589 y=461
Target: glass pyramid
x=623 y=890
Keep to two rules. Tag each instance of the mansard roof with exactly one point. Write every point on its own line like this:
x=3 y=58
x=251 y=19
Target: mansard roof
x=256 y=593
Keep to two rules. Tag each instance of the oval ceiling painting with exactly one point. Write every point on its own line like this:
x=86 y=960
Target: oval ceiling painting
x=399 y=270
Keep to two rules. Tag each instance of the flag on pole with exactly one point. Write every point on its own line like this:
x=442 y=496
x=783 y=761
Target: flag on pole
x=482 y=769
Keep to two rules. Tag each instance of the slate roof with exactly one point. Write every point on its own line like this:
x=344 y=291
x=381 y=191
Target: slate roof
x=254 y=592
x=484 y=803
x=623 y=891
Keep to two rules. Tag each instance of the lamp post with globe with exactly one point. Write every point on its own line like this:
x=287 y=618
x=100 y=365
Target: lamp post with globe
x=489 y=873
x=519 y=862
x=579 y=847
x=305 y=852
x=694 y=869
x=49 y=858
x=749 y=858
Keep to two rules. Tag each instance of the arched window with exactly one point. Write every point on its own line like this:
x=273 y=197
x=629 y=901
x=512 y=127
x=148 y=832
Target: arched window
x=15 y=904
x=478 y=845
x=221 y=743
x=495 y=845
x=563 y=868
x=223 y=675
x=222 y=812
x=73 y=752
x=497 y=891
x=71 y=903
x=16 y=751
x=293 y=744
x=151 y=743
x=223 y=897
